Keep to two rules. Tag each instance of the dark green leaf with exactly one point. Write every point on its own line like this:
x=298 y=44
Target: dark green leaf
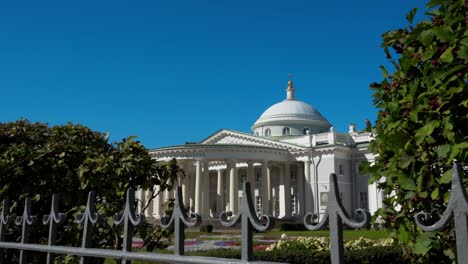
x=447 y=56
x=443 y=150
x=410 y=15
x=446 y=177
x=406 y=183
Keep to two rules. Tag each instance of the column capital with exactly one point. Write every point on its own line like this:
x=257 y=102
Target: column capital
x=231 y=162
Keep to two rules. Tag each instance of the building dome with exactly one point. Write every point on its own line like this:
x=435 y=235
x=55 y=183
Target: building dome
x=290 y=110
x=290 y=114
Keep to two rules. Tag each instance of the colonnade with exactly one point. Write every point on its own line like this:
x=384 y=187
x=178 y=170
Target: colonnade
x=291 y=181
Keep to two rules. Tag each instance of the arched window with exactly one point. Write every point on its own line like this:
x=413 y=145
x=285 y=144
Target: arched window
x=306 y=131
x=267 y=132
x=286 y=131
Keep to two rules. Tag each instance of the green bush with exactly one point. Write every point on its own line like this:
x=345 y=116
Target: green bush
x=292 y=227
x=385 y=254
x=206 y=228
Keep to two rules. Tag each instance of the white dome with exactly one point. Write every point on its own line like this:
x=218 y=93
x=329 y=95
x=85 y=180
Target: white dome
x=290 y=110
x=290 y=117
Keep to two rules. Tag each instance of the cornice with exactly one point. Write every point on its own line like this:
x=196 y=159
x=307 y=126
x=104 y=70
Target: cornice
x=199 y=150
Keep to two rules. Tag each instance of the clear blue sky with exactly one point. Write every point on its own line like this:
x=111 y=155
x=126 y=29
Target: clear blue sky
x=176 y=71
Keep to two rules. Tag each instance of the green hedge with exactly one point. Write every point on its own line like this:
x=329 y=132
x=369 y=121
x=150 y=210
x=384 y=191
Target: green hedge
x=292 y=227
x=387 y=255
x=206 y=228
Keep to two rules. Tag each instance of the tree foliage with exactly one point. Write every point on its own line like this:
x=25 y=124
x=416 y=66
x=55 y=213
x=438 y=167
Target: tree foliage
x=422 y=123
x=38 y=160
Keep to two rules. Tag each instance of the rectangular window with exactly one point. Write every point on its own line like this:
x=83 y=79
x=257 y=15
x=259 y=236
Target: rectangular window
x=293 y=173
x=363 y=200
x=259 y=204
x=294 y=204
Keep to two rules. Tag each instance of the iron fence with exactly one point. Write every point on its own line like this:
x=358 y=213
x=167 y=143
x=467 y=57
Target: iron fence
x=335 y=215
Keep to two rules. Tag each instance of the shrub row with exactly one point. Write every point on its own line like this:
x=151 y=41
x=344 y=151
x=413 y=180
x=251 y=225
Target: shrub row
x=387 y=255
x=292 y=227
x=206 y=228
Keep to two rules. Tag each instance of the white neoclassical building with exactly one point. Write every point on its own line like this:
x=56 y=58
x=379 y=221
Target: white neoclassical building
x=287 y=157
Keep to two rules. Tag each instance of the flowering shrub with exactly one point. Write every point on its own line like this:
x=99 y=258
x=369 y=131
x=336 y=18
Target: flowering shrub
x=362 y=243
x=322 y=244
x=310 y=243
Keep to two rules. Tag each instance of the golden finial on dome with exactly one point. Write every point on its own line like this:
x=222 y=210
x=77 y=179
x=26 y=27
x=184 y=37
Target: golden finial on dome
x=290 y=82
x=290 y=90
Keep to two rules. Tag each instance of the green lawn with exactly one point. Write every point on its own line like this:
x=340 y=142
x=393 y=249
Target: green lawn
x=275 y=234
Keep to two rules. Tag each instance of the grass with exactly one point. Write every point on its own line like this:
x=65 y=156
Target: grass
x=274 y=234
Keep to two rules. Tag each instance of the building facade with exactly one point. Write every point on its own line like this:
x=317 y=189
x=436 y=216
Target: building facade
x=288 y=158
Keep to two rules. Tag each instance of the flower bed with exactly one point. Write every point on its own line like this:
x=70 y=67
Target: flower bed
x=197 y=245
x=323 y=244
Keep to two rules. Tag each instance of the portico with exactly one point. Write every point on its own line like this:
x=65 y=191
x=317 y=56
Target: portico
x=215 y=174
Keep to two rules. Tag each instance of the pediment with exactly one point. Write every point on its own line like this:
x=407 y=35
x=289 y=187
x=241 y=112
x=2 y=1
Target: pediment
x=238 y=138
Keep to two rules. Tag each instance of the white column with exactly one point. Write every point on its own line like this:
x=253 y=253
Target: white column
x=285 y=191
x=157 y=203
x=282 y=193
x=287 y=187
x=198 y=187
x=220 y=193
x=192 y=179
x=375 y=197
x=141 y=202
x=206 y=190
x=251 y=178
x=149 y=211
x=300 y=189
x=233 y=189
x=185 y=192
x=227 y=201
x=270 y=190
x=308 y=188
x=265 y=192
